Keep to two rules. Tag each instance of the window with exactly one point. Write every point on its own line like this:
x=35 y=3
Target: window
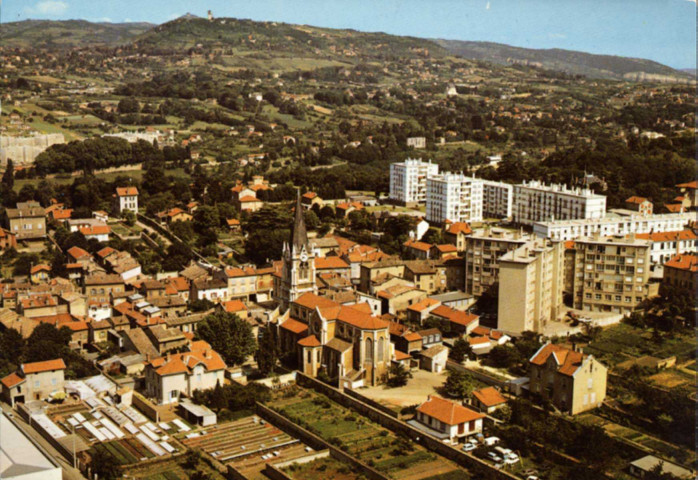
x=37 y=384
x=381 y=347
x=590 y=382
x=369 y=350
x=53 y=381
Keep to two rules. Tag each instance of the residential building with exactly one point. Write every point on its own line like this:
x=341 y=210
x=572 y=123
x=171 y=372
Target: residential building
x=639 y=204
x=455 y=233
x=310 y=199
x=488 y=400
x=682 y=272
x=453 y=197
x=447 y=420
x=169 y=377
x=612 y=224
x=666 y=245
x=497 y=199
x=460 y=322
x=126 y=198
x=531 y=283
x=33 y=381
x=536 y=202
x=408 y=180
x=214 y=290
x=482 y=253
x=8 y=239
x=651 y=465
x=611 y=274
x=27 y=221
x=417 y=142
x=690 y=192
x=241 y=281
x=433 y=359
x=570 y=380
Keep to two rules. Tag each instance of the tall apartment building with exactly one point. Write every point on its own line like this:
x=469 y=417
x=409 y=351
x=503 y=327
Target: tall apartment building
x=454 y=197
x=536 y=202
x=408 y=180
x=611 y=274
x=482 y=253
x=531 y=280
x=612 y=224
x=497 y=199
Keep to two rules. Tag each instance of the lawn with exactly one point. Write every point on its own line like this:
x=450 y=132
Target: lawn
x=321 y=469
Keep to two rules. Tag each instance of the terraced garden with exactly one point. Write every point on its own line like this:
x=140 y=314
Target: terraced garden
x=376 y=446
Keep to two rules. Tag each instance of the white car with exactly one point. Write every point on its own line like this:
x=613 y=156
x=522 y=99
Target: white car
x=494 y=457
x=469 y=447
x=511 y=458
x=532 y=477
x=489 y=441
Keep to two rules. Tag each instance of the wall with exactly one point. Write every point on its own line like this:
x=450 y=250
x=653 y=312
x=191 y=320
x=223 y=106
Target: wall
x=475 y=466
x=483 y=377
x=371 y=402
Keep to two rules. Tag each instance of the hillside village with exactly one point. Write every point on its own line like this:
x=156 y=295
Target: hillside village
x=249 y=250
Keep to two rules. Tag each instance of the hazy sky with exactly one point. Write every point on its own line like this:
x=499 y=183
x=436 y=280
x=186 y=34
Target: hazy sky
x=661 y=30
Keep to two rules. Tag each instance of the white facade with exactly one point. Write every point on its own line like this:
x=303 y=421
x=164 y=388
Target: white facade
x=572 y=229
x=454 y=197
x=537 y=202
x=128 y=202
x=408 y=180
x=497 y=199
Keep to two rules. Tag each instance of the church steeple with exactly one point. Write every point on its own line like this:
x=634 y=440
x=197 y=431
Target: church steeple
x=299 y=235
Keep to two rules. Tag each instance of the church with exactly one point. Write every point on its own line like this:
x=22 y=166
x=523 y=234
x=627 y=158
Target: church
x=346 y=342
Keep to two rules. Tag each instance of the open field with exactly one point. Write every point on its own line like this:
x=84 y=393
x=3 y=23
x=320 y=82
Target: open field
x=415 y=392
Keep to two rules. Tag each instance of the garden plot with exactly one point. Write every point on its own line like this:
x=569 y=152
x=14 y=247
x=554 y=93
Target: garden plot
x=362 y=438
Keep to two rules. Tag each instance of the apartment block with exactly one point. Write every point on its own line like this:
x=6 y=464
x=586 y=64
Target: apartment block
x=497 y=199
x=611 y=274
x=453 y=197
x=531 y=281
x=408 y=180
x=536 y=202
x=612 y=224
x=482 y=253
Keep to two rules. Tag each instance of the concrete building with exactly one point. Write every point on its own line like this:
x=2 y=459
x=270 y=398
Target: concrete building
x=453 y=197
x=126 y=199
x=531 y=281
x=537 y=202
x=666 y=245
x=572 y=381
x=612 y=224
x=408 y=180
x=27 y=221
x=497 y=199
x=417 y=142
x=446 y=420
x=482 y=253
x=21 y=457
x=611 y=274
x=24 y=150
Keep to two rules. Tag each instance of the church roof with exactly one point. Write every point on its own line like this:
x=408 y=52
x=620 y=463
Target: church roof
x=299 y=235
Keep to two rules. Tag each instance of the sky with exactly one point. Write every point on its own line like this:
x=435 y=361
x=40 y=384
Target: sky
x=660 y=30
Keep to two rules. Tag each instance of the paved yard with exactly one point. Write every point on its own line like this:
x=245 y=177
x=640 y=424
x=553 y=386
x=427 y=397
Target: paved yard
x=415 y=392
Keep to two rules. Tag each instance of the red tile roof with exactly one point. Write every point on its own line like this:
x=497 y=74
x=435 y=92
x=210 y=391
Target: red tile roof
x=294 y=326
x=693 y=185
x=310 y=300
x=567 y=360
x=233 y=306
x=39 y=268
x=310 y=341
x=636 y=200
x=200 y=353
x=248 y=199
x=322 y=263
x=12 y=380
x=47 y=366
x=448 y=412
x=668 y=236
x=77 y=253
x=456 y=316
x=421 y=246
x=96 y=230
x=126 y=191
x=423 y=305
x=460 y=227
x=489 y=396
x=684 y=262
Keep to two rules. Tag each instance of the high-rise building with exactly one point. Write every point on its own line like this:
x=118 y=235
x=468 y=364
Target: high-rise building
x=611 y=274
x=482 y=253
x=497 y=199
x=531 y=280
x=537 y=202
x=408 y=180
x=453 y=197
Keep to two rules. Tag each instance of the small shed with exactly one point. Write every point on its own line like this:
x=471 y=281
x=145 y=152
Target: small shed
x=197 y=414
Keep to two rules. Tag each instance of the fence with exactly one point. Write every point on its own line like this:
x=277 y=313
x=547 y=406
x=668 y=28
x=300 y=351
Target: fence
x=476 y=466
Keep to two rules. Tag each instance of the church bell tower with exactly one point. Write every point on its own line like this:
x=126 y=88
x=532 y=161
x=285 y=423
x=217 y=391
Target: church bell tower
x=298 y=270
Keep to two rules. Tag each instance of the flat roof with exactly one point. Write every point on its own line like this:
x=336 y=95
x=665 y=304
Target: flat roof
x=20 y=456
x=451 y=296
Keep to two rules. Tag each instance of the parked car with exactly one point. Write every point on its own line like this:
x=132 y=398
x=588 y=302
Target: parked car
x=494 y=457
x=532 y=477
x=489 y=441
x=511 y=458
x=469 y=446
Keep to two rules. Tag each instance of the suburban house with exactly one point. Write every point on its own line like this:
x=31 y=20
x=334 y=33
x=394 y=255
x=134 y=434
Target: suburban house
x=447 y=420
x=33 y=381
x=488 y=399
x=126 y=198
x=572 y=381
x=27 y=221
x=176 y=375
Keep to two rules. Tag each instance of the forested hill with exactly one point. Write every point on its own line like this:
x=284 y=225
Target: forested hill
x=573 y=62
x=278 y=39
x=68 y=33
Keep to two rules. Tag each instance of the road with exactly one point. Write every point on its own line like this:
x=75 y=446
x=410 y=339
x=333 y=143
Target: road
x=69 y=473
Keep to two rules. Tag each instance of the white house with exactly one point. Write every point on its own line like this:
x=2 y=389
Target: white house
x=214 y=290
x=169 y=377
x=446 y=420
x=127 y=199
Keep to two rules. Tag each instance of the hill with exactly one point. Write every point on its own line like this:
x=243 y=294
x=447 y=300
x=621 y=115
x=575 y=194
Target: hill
x=569 y=61
x=68 y=33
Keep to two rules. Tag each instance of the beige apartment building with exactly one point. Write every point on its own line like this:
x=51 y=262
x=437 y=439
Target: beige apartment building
x=33 y=381
x=531 y=281
x=482 y=254
x=570 y=380
x=611 y=274
x=27 y=221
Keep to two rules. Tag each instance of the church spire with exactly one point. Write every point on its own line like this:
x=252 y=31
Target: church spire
x=299 y=235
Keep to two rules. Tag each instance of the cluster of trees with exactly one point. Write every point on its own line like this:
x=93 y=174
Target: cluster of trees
x=232 y=397
x=228 y=335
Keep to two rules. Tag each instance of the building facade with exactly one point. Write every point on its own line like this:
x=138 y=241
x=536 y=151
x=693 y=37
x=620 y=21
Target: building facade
x=482 y=253
x=408 y=180
x=537 y=202
x=453 y=197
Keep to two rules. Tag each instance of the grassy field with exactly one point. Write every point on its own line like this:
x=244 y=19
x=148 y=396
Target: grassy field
x=107 y=177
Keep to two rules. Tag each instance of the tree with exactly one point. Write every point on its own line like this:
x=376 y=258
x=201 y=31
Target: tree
x=229 y=336
x=105 y=465
x=268 y=352
x=129 y=217
x=459 y=384
x=12 y=345
x=47 y=343
x=460 y=351
x=8 y=178
x=504 y=356
x=128 y=105
x=398 y=375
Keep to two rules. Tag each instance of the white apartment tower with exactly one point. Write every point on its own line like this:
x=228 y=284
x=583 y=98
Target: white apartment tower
x=536 y=202
x=454 y=197
x=408 y=180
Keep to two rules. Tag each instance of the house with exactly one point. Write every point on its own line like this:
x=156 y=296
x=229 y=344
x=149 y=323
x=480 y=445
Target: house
x=27 y=221
x=126 y=198
x=488 y=399
x=639 y=204
x=420 y=311
x=446 y=420
x=174 y=215
x=40 y=273
x=248 y=203
x=8 y=239
x=214 y=290
x=572 y=381
x=404 y=339
x=241 y=282
x=444 y=251
x=33 y=381
x=433 y=359
x=681 y=272
x=459 y=321
x=430 y=337
x=417 y=250
x=233 y=224
x=168 y=378
x=455 y=233
x=310 y=199
x=648 y=464
x=98 y=232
